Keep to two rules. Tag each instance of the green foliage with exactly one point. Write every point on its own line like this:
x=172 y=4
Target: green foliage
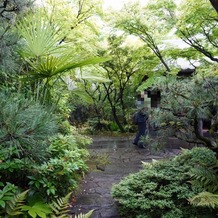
x=117 y=95
x=162 y=188
x=78 y=19
x=205 y=177
x=153 y=79
x=25 y=126
x=65 y=128
x=96 y=125
x=197 y=26
x=197 y=157
x=38 y=209
x=61 y=143
x=113 y=126
x=46 y=58
x=11 y=11
x=155 y=145
x=205 y=199
x=7 y=193
x=87 y=215
x=60 y=207
x=27 y=160
x=40 y=36
x=11 y=201
x=23 y=205
x=185 y=102
x=150 y=23
x=15 y=170
x=64 y=168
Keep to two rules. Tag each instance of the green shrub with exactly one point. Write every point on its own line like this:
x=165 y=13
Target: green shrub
x=113 y=126
x=197 y=157
x=30 y=157
x=96 y=125
x=162 y=189
x=6 y=194
x=24 y=127
x=61 y=173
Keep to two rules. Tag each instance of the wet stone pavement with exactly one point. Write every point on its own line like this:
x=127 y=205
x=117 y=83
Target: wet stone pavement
x=123 y=158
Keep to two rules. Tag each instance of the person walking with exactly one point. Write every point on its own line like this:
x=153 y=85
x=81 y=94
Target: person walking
x=141 y=119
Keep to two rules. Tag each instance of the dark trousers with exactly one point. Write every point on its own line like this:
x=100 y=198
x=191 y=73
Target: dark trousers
x=141 y=132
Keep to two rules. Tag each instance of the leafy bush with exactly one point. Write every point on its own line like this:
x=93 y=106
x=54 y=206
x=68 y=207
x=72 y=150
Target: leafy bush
x=197 y=157
x=11 y=200
x=162 y=188
x=29 y=159
x=95 y=125
x=25 y=127
x=7 y=193
x=61 y=173
x=113 y=126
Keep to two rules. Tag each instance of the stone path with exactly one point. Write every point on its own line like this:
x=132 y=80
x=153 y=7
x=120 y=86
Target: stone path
x=123 y=159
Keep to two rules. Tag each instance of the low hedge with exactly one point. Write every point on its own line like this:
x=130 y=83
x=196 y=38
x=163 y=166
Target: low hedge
x=162 y=188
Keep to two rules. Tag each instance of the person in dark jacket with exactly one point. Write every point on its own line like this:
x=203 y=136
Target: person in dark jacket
x=141 y=121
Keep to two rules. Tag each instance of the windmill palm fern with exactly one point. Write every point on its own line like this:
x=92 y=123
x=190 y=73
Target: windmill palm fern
x=47 y=59
x=40 y=37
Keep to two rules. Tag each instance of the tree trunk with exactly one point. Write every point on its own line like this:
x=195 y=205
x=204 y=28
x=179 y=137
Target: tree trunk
x=117 y=120
x=207 y=141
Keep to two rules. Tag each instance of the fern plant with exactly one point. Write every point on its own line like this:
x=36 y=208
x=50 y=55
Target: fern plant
x=60 y=207
x=11 y=202
x=23 y=205
x=205 y=199
x=205 y=178
x=87 y=215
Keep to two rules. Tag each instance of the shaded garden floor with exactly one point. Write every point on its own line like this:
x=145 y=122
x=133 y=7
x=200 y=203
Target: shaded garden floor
x=112 y=159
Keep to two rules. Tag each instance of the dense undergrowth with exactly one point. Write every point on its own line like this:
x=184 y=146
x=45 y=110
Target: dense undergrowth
x=164 y=189
x=38 y=163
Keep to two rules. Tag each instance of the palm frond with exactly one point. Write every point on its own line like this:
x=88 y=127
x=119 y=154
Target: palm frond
x=83 y=95
x=40 y=36
x=56 y=65
x=92 y=76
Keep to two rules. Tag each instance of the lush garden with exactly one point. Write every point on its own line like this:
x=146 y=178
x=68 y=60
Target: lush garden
x=69 y=69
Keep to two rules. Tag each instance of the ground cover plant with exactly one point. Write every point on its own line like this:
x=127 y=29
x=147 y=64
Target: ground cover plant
x=163 y=188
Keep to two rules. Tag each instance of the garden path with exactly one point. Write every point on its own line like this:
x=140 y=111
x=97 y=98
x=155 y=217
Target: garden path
x=113 y=158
